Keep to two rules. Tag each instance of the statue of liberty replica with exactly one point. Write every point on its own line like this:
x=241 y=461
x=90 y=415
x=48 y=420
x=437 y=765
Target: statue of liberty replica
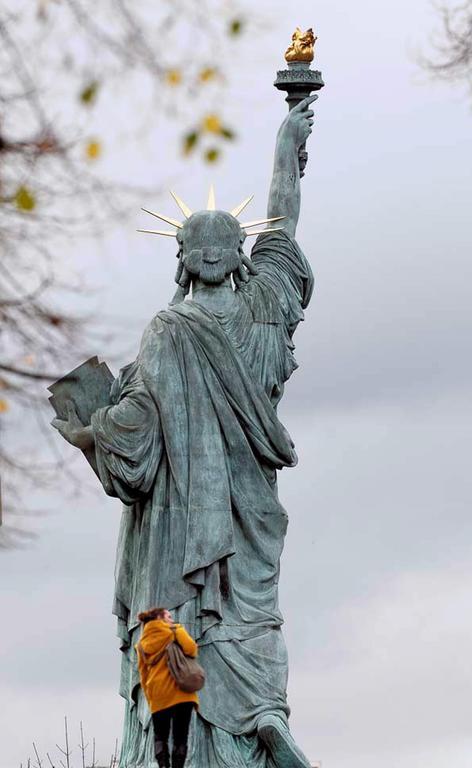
x=189 y=439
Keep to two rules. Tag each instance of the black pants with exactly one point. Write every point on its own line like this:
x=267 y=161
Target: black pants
x=179 y=715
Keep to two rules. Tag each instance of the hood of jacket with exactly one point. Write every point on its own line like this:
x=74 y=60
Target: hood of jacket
x=156 y=636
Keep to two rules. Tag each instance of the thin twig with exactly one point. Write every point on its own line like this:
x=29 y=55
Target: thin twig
x=114 y=757
x=66 y=752
x=82 y=745
x=38 y=375
x=40 y=765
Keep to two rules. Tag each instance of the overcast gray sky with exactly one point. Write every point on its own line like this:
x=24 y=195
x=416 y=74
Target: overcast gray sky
x=376 y=574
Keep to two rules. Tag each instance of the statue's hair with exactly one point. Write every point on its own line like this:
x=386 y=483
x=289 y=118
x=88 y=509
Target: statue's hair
x=183 y=278
x=151 y=615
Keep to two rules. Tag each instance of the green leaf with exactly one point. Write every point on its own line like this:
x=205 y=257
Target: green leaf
x=24 y=199
x=212 y=155
x=236 y=27
x=89 y=93
x=189 y=141
x=228 y=133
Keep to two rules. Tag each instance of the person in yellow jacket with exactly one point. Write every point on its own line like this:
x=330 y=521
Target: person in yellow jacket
x=169 y=705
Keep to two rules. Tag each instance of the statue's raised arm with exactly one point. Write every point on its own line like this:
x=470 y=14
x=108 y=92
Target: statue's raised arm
x=284 y=196
x=284 y=281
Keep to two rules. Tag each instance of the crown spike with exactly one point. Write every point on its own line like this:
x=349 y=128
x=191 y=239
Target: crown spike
x=157 y=232
x=160 y=216
x=260 y=221
x=184 y=208
x=239 y=208
x=211 y=204
x=263 y=231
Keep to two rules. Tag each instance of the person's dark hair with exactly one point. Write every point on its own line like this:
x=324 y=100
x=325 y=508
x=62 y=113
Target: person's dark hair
x=151 y=615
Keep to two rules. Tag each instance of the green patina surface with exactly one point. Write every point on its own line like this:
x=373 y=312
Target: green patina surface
x=191 y=443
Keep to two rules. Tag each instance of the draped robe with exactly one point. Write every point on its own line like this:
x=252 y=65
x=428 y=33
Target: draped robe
x=191 y=444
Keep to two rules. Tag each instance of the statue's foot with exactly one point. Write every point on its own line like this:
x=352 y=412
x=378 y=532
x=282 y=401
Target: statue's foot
x=274 y=732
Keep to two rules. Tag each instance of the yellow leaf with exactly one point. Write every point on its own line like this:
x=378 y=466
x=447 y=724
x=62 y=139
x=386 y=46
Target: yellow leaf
x=173 y=77
x=24 y=199
x=212 y=124
x=206 y=74
x=4 y=406
x=93 y=149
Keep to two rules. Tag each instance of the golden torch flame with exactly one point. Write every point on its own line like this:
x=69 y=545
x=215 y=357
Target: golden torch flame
x=301 y=47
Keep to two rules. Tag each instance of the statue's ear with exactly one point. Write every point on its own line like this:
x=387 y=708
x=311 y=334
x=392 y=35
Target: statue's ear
x=179 y=239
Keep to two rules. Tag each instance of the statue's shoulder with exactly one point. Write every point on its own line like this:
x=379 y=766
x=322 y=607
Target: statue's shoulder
x=152 y=342
x=156 y=328
x=156 y=336
x=153 y=329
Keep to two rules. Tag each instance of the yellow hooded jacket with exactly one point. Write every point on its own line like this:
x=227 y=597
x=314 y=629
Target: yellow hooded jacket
x=159 y=686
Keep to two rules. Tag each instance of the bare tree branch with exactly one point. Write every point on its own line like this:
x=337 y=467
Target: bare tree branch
x=51 y=191
x=39 y=763
x=451 y=59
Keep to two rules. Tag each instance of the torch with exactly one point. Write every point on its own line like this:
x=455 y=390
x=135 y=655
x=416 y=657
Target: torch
x=299 y=80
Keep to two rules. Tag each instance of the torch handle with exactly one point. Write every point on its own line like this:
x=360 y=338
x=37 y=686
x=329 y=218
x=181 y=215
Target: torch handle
x=292 y=101
x=302 y=159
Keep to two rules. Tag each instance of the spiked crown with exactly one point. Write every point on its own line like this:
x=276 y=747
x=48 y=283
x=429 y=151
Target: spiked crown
x=247 y=227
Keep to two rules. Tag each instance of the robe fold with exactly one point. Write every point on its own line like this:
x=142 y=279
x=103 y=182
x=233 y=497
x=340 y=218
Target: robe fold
x=191 y=444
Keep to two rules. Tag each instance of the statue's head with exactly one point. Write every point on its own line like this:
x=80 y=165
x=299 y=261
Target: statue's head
x=210 y=244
